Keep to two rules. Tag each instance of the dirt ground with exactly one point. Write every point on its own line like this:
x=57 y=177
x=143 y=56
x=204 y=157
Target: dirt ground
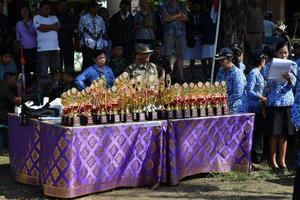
x=260 y=184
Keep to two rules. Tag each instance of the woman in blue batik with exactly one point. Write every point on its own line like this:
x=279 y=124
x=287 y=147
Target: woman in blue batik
x=254 y=88
x=296 y=121
x=235 y=80
x=280 y=99
x=95 y=72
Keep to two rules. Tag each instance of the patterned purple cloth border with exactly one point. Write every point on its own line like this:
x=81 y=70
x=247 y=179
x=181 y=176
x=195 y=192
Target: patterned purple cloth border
x=24 y=150
x=211 y=144
x=71 y=162
x=80 y=161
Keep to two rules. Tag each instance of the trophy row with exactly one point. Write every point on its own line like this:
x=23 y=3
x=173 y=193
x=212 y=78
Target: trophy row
x=139 y=99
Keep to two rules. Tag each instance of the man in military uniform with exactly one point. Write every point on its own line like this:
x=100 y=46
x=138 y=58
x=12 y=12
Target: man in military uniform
x=142 y=69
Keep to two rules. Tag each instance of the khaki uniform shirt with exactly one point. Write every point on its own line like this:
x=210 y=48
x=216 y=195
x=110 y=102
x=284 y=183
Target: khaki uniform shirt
x=143 y=71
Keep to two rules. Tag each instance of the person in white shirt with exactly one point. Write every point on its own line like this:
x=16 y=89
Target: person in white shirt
x=48 y=55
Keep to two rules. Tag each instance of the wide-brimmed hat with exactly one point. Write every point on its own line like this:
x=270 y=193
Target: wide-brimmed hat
x=224 y=53
x=236 y=49
x=143 y=49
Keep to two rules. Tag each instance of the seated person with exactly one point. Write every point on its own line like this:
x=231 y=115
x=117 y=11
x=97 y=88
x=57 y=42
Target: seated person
x=235 y=81
x=162 y=64
x=117 y=62
x=7 y=63
x=95 y=72
x=68 y=80
x=7 y=102
x=141 y=66
x=55 y=88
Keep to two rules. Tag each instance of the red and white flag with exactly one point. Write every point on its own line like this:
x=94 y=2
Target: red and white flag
x=214 y=11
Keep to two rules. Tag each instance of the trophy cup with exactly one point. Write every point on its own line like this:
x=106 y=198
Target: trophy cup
x=202 y=100
x=192 y=100
x=186 y=107
x=89 y=106
x=224 y=98
x=76 y=96
x=177 y=101
x=209 y=92
x=152 y=101
x=218 y=98
x=103 y=113
x=113 y=105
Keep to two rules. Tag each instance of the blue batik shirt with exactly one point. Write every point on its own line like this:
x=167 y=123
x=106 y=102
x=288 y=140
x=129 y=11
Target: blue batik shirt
x=280 y=93
x=93 y=73
x=174 y=28
x=296 y=111
x=255 y=87
x=242 y=67
x=236 y=83
x=92 y=31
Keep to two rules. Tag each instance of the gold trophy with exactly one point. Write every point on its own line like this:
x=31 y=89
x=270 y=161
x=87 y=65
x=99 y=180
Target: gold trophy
x=224 y=97
x=186 y=99
x=218 y=98
x=192 y=100
x=209 y=93
x=114 y=102
x=202 y=100
x=177 y=101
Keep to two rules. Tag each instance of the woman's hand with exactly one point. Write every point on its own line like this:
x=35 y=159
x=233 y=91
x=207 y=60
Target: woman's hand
x=287 y=77
x=262 y=99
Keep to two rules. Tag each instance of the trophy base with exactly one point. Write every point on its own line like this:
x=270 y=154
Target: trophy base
x=152 y=116
x=161 y=114
x=115 y=118
x=178 y=114
x=97 y=119
x=90 y=120
x=210 y=111
x=76 y=121
x=187 y=113
x=103 y=119
x=218 y=110
x=63 y=120
x=128 y=117
x=135 y=117
x=225 y=110
x=194 y=112
x=170 y=114
x=202 y=112
x=142 y=116
x=83 y=120
x=122 y=117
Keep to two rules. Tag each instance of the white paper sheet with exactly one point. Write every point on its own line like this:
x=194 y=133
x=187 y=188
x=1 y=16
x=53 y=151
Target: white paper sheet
x=278 y=68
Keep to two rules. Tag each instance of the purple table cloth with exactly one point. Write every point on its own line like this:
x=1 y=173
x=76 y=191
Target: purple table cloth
x=24 y=150
x=80 y=161
x=210 y=144
x=70 y=162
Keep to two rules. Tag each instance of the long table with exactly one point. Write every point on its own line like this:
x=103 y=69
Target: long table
x=69 y=162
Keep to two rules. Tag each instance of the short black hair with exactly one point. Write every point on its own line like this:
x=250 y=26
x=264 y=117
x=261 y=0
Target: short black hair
x=8 y=76
x=281 y=45
x=44 y=3
x=98 y=52
x=125 y=2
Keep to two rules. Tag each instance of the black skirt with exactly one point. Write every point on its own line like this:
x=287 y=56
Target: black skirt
x=279 y=121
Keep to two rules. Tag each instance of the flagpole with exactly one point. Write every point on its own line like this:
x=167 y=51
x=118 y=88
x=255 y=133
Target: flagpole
x=216 y=42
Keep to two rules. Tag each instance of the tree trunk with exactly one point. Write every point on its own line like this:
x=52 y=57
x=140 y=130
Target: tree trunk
x=233 y=23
